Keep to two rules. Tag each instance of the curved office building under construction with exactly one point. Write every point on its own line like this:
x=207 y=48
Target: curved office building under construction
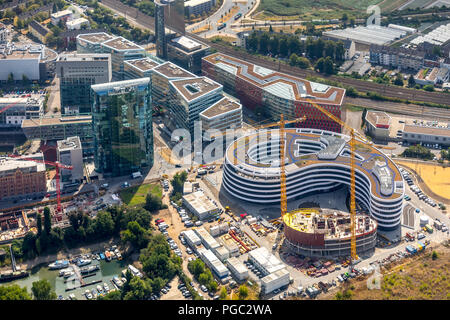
x=327 y=233
x=316 y=161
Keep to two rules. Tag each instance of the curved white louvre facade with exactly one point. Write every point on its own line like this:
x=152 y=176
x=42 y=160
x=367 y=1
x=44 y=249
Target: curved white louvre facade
x=316 y=161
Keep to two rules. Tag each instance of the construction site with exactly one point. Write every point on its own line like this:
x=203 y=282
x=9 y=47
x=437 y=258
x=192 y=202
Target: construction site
x=327 y=233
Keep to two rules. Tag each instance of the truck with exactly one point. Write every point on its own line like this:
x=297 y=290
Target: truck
x=221 y=26
x=437 y=225
x=136 y=175
x=429 y=228
x=411 y=249
x=237 y=16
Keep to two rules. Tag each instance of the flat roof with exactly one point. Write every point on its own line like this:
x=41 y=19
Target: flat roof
x=199 y=201
x=187 y=43
x=96 y=37
x=221 y=107
x=121 y=43
x=83 y=56
x=426 y=130
x=71 y=143
x=143 y=64
x=194 y=88
x=76 y=21
x=236 y=264
x=21 y=54
x=267 y=260
x=279 y=84
x=11 y=164
x=172 y=71
x=29 y=123
x=61 y=13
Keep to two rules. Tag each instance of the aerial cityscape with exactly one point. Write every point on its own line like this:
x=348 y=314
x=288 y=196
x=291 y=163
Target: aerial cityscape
x=224 y=150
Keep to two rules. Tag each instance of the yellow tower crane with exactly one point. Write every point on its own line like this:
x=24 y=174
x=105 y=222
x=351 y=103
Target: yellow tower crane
x=353 y=133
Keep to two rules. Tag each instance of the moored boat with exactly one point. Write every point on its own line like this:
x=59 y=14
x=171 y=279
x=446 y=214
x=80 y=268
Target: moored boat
x=58 y=264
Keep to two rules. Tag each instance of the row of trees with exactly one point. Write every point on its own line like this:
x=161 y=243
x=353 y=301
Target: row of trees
x=130 y=223
x=159 y=266
x=202 y=274
x=285 y=45
x=41 y=290
x=177 y=183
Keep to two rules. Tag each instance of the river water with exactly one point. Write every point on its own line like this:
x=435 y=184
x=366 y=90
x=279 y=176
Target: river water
x=106 y=273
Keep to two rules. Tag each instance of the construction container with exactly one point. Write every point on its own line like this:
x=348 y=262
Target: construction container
x=215 y=231
x=423 y=220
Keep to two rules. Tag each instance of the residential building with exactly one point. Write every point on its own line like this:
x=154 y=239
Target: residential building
x=378 y=124
x=402 y=58
x=427 y=76
x=76 y=73
x=414 y=134
x=187 y=53
x=189 y=97
x=39 y=31
x=122 y=126
x=20 y=109
x=198 y=7
x=69 y=152
x=222 y=115
x=274 y=93
x=161 y=76
x=19 y=178
x=76 y=24
x=64 y=15
x=53 y=129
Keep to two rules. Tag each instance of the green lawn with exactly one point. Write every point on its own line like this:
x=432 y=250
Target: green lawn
x=136 y=195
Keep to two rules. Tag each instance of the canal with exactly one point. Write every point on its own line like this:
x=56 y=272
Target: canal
x=106 y=273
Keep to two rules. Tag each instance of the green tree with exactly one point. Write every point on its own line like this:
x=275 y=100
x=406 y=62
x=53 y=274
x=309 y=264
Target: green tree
x=10 y=78
x=223 y=293
x=14 y=292
x=411 y=81
x=243 y=292
x=303 y=63
x=153 y=203
x=136 y=235
x=47 y=220
x=398 y=80
x=293 y=59
x=434 y=255
x=428 y=87
x=138 y=290
x=113 y=295
x=42 y=290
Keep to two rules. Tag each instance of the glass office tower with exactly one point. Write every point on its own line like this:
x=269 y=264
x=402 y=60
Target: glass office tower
x=122 y=126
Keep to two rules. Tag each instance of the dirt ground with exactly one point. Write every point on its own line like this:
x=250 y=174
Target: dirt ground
x=416 y=278
x=434 y=179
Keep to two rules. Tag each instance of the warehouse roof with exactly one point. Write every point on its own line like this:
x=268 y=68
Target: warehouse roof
x=427 y=130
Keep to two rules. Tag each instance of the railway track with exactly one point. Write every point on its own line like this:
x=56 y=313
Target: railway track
x=360 y=85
